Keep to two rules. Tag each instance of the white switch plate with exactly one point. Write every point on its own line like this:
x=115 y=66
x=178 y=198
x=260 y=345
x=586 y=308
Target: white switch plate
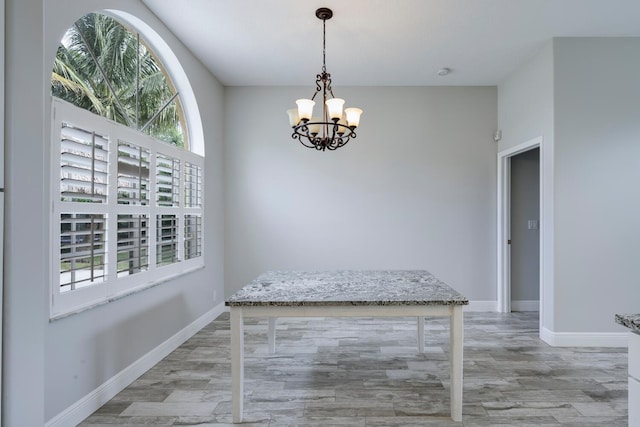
x=533 y=224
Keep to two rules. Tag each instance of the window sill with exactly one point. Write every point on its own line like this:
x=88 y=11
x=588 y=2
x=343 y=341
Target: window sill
x=125 y=294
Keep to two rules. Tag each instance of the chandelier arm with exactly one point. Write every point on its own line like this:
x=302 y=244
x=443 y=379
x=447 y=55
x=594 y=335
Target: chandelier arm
x=301 y=133
x=337 y=143
x=309 y=144
x=301 y=138
x=319 y=79
x=334 y=130
x=318 y=143
x=302 y=129
x=346 y=138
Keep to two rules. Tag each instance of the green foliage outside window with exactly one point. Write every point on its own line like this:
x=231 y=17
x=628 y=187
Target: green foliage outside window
x=103 y=67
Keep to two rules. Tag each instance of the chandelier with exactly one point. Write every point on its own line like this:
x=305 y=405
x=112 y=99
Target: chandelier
x=335 y=127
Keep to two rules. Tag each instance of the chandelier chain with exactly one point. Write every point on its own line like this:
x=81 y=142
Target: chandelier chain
x=324 y=45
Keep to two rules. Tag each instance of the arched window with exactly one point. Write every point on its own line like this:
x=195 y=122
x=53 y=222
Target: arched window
x=103 y=67
x=127 y=193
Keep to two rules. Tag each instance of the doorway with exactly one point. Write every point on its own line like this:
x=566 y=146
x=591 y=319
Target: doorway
x=524 y=292
x=524 y=235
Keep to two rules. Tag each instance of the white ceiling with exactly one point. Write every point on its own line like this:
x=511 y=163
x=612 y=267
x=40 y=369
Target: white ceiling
x=383 y=42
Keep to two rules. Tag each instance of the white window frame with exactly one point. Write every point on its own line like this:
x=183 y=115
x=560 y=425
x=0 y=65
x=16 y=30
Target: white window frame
x=113 y=287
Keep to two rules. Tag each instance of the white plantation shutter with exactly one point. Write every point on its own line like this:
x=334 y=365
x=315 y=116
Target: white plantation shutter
x=166 y=239
x=133 y=244
x=192 y=185
x=83 y=165
x=127 y=210
x=167 y=180
x=82 y=250
x=192 y=236
x=133 y=174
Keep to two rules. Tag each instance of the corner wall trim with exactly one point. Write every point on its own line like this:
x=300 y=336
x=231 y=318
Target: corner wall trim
x=86 y=406
x=584 y=339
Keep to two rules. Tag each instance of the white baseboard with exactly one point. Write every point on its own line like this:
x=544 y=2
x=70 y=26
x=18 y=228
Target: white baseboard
x=86 y=406
x=525 y=305
x=584 y=339
x=481 y=306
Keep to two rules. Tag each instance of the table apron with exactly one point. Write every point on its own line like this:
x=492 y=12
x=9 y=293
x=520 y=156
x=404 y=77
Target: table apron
x=346 y=311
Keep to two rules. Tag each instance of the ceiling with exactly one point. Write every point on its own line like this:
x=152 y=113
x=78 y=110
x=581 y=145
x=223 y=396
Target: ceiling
x=383 y=42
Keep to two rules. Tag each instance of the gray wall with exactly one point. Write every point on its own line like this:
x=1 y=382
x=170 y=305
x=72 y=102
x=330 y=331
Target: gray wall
x=525 y=112
x=525 y=242
x=525 y=101
x=415 y=190
x=597 y=181
x=580 y=95
x=25 y=255
x=50 y=365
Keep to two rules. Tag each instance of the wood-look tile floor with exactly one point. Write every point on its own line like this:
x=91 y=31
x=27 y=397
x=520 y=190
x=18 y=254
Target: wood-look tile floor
x=367 y=372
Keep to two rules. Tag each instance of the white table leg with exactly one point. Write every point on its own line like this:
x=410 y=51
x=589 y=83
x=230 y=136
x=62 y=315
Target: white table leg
x=456 y=335
x=420 y=334
x=272 y=335
x=237 y=363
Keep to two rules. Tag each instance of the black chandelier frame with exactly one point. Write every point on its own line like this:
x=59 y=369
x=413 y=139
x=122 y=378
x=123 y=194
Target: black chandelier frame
x=332 y=134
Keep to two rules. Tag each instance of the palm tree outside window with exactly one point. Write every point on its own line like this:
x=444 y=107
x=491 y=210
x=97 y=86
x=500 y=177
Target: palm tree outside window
x=105 y=68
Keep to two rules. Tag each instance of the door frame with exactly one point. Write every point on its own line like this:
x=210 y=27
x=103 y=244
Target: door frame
x=2 y=83
x=504 y=222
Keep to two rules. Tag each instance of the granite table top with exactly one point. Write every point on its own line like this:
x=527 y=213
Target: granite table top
x=631 y=321
x=346 y=288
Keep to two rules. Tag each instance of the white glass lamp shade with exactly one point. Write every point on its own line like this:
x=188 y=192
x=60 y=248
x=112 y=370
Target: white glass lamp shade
x=305 y=108
x=342 y=125
x=314 y=129
x=353 y=116
x=334 y=107
x=294 y=118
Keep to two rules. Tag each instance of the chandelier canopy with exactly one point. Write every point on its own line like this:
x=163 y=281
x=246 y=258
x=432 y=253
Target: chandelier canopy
x=335 y=127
